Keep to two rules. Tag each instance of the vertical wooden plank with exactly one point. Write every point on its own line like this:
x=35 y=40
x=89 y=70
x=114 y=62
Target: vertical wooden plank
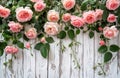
x=112 y=67
x=53 y=67
x=65 y=60
x=29 y=62
x=88 y=56
x=98 y=58
x=118 y=59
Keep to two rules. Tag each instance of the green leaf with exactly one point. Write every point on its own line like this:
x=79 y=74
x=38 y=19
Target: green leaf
x=40 y=35
x=77 y=31
x=49 y=40
x=38 y=45
x=71 y=34
x=47 y=46
x=1 y=52
x=61 y=35
x=20 y=44
x=84 y=5
x=91 y=34
x=107 y=57
x=105 y=15
x=103 y=49
x=114 y=48
x=44 y=51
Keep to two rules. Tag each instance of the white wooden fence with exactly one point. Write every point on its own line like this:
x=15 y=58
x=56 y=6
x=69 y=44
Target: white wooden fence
x=60 y=65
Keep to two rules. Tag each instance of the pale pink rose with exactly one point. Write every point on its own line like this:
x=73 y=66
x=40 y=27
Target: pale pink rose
x=77 y=21
x=110 y=32
x=66 y=17
x=27 y=45
x=11 y=49
x=15 y=27
x=112 y=4
x=36 y=0
x=31 y=33
x=51 y=28
x=43 y=40
x=111 y=18
x=102 y=42
x=89 y=17
x=99 y=14
x=68 y=4
x=53 y=16
x=4 y=12
x=39 y=6
x=24 y=14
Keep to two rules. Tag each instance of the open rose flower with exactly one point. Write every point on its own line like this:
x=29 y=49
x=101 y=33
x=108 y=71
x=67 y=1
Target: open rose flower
x=11 y=50
x=68 y=4
x=110 y=32
x=111 y=18
x=99 y=14
x=15 y=27
x=112 y=4
x=53 y=16
x=66 y=17
x=39 y=6
x=36 y=0
x=4 y=12
x=89 y=17
x=77 y=21
x=24 y=14
x=31 y=33
x=51 y=28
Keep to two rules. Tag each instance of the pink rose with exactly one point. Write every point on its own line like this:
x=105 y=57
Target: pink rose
x=51 y=28
x=27 y=45
x=43 y=40
x=4 y=12
x=31 y=33
x=24 y=14
x=99 y=14
x=89 y=17
x=11 y=50
x=102 y=42
x=39 y=6
x=110 y=32
x=68 y=4
x=15 y=27
x=53 y=16
x=111 y=18
x=77 y=21
x=100 y=28
x=66 y=17
x=112 y=4
x=36 y=0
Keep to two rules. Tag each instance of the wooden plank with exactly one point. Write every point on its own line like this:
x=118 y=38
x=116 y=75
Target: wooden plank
x=29 y=62
x=53 y=67
x=65 y=60
x=88 y=56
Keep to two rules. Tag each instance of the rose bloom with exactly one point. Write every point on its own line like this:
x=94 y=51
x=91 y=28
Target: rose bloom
x=66 y=17
x=15 y=27
x=36 y=0
x=53 y=16
x=39 y=6
x=102 y=42
x=11 y=50
x=27 y=45
x=99 y=14
x=110 y=32
x=68 y=4
x=4 y=12
x=43 y=40
x=24 y=14
x=51 y=28
x=111 y=18
x=112 y=4
x=31 y=33
x=89 y=17
x=100 y=28
x=77 y=21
